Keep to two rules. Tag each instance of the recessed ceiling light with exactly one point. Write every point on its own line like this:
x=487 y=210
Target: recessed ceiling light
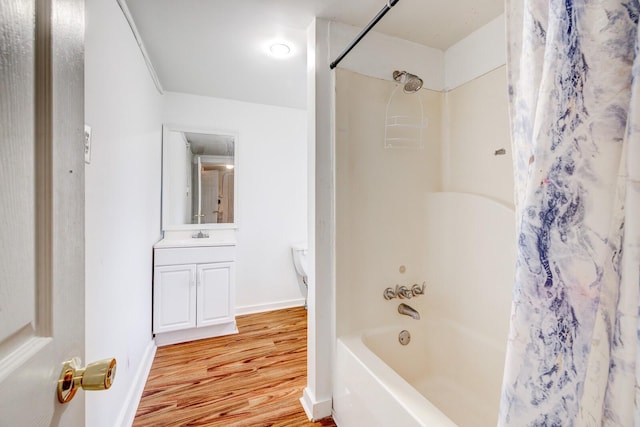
x=280 y=50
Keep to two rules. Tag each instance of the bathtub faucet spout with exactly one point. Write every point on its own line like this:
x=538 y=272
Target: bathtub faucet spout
x=408 y=311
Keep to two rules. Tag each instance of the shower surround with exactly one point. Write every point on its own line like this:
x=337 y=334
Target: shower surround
x=396 y=226
x=449 y=374
x=379 y=199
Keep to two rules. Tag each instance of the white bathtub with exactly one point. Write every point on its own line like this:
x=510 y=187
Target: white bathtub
x=446 y=376
x=450 y=373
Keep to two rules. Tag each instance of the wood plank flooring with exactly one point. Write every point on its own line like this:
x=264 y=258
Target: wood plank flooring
x=254 y=378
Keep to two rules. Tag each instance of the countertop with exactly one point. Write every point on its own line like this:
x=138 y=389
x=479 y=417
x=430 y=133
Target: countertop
x=189 y=243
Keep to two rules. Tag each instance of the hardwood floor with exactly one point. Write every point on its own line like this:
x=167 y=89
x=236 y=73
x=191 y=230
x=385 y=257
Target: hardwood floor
x=254 y=378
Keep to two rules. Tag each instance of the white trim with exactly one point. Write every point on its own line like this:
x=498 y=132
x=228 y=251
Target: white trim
x=11 y=362
x=192 y=334
x=321 y=337
x=152 y=71
x=315 y=410
x=128 y=411
x=174 y=127
x=278 y=305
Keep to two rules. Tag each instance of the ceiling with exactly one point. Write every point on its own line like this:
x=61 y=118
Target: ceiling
x=220 y=48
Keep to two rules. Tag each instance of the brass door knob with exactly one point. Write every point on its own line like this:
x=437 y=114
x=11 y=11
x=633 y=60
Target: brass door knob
x=95 y=376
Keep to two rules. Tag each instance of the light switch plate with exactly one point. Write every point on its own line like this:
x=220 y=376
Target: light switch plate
x=87 y=144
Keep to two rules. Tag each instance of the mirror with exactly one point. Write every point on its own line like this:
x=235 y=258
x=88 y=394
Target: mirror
x=198 y=176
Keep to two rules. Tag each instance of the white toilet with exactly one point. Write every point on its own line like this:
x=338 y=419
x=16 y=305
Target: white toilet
x=299 y=252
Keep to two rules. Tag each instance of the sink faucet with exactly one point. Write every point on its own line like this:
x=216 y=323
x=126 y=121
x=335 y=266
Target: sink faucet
x=408 y=311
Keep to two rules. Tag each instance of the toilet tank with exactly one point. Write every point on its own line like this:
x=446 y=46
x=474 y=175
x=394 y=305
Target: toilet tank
x=299 y=252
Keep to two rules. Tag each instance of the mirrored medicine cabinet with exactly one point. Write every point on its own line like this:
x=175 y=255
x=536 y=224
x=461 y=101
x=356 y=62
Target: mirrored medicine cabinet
x=199 y=168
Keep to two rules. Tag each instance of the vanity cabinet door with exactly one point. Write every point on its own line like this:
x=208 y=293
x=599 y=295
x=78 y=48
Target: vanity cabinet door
x=174 y=298
x=215 y=301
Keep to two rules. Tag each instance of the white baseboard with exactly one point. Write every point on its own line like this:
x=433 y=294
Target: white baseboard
x=315 y=410
x=336 y=418
x=278 y=305
x=192 y=334
x=128 y=412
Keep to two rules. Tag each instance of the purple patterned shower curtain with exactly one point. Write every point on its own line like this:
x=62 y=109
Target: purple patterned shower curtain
x=574 y=81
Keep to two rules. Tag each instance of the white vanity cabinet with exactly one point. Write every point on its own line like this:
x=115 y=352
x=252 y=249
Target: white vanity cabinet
x=213 y=293
x=193 y=292
x=174 y=298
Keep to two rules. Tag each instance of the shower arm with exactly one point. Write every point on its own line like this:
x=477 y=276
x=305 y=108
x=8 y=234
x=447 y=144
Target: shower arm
x=374 y=21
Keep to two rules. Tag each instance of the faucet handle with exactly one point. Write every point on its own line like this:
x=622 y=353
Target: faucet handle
x=200 y=235
x=389 y=293
x=417 y=289
x=403 y=292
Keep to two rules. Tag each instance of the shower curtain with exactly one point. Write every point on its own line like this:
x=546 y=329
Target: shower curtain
x=574 y=82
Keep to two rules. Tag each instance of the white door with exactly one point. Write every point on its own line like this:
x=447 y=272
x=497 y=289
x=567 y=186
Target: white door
x=228 y=199
x=41 y=209
x=174 y=298
x=209 y=196
x=215 y=304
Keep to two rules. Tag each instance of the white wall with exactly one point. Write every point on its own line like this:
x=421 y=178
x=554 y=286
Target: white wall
x=271 y=186
x=178 y=178
x=122 y=212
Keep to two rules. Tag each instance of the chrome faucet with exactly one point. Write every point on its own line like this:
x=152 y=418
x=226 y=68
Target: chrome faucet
x=417 y=289
x=403 y=292
x=408 y=311
x=389 y=293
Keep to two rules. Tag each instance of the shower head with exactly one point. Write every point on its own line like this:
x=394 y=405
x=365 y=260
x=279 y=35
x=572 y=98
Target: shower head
x=412 y=83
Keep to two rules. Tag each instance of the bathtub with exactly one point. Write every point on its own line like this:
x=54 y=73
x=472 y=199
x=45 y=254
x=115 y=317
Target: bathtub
x=451 y=371
x=446 y=376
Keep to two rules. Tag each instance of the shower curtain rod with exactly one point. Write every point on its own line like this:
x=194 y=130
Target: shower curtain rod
x=374 y=21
